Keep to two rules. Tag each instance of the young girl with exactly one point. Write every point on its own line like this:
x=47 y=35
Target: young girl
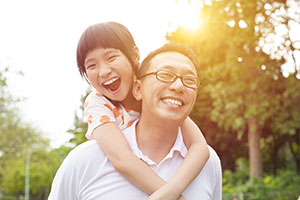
x=107 y=57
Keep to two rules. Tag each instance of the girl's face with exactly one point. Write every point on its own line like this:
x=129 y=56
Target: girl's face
x=109 y=72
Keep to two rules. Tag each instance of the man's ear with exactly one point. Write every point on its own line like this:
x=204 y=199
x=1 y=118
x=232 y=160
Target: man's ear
x=136 y=55
x=136 y=90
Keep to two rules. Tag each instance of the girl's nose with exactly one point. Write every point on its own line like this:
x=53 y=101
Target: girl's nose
x=104 y=71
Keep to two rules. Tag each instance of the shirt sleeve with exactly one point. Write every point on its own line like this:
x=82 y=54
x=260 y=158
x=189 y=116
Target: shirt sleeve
x=97 y=111
x=65 y=183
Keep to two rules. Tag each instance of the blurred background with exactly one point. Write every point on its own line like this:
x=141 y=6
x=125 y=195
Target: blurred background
x=248 y=105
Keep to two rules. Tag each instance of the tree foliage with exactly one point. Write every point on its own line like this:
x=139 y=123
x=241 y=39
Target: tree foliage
x=80 y=127
x=244 y=92
x=17 y=139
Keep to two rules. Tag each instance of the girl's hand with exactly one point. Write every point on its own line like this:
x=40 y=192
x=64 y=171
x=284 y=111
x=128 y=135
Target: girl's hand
x=181 y=198
x=165 y=193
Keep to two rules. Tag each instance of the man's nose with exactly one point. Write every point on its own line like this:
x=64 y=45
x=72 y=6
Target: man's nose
x=177 y=85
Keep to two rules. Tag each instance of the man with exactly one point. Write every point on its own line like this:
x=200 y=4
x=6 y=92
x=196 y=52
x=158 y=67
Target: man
x=167 y=88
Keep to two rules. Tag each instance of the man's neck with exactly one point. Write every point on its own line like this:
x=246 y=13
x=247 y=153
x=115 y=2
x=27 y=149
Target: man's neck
x=155 y=138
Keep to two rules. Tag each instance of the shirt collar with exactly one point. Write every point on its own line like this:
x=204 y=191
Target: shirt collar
x=130 y=134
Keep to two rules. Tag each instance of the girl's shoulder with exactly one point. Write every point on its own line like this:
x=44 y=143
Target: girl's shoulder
x=96 y=98
x=95 y=95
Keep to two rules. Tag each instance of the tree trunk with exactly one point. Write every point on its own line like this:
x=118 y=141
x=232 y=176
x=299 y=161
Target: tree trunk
x=254 y=149
x=274 y=158
x=294 y=154
x=277 y=144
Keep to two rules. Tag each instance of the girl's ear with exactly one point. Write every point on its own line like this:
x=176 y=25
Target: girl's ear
x=136 y=90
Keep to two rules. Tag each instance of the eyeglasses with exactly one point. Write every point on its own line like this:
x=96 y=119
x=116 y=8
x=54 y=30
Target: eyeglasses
x=170 y=77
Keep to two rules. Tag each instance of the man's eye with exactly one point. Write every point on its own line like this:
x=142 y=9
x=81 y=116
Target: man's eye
x=190 y=80
x=166 y=75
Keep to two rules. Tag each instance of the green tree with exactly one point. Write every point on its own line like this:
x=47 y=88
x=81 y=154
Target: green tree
x=17 y=139
x=285 y=124
x=238 y=74
x=80 y=127
x=43 y=166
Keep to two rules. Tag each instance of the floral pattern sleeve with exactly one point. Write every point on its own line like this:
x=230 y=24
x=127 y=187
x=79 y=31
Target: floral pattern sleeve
x=99 y=110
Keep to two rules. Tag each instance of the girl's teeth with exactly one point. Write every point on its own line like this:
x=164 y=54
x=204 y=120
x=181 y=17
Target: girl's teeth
x=173 y=102
x=110 y=81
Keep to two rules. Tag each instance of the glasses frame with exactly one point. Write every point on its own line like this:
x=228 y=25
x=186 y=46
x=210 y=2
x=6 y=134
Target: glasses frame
x=176 y=77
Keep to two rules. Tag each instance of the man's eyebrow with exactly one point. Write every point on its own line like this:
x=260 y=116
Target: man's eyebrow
x=186 y=70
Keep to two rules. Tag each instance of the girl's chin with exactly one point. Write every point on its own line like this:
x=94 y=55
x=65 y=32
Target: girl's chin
x=116 y=97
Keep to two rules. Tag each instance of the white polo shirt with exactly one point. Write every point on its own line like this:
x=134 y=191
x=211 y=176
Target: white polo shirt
x=86 y=174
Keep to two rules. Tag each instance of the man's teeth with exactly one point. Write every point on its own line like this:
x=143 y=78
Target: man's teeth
x=173 y=102
x=110 y=81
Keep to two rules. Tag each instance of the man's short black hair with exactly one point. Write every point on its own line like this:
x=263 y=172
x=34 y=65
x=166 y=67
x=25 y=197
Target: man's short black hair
x=169 y=47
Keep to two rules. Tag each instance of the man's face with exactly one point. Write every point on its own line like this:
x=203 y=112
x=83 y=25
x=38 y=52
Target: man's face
x=167 y=101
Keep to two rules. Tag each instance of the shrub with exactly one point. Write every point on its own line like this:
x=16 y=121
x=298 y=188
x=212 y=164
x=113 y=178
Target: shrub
x=285 y=186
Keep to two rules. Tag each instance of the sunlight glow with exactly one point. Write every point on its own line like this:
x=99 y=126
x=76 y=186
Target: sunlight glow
x=231 y=23
x=242 y=24
x=186 y=14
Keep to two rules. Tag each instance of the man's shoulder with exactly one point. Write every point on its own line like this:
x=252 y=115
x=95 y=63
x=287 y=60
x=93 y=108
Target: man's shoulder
x=213 y=159
x=213 y=153
x=85 y=145
x=86 y=150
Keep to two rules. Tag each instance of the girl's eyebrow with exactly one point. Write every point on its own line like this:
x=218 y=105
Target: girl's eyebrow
x=88 y=60
x=107 y=51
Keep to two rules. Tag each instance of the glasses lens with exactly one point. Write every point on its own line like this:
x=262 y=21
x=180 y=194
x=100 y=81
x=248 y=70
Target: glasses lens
x=165 y=76
x=169 y=77
x=190 y=81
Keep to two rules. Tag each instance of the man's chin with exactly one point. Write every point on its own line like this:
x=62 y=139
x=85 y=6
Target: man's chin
x=176 y=118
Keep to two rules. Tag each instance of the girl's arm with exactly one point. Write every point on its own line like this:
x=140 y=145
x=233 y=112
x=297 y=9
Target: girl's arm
x=115 y=145
x=193 y=163
x=196 y=157
x=117 y=149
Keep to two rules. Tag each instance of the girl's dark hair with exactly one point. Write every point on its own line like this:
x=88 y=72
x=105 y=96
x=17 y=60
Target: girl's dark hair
x=106 y=35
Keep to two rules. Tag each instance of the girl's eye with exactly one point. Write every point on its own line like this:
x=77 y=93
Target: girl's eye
x=112 y=57
x=92 y=66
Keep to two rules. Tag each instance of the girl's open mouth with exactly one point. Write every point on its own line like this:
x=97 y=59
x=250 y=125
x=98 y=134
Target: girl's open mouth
x=112 y=84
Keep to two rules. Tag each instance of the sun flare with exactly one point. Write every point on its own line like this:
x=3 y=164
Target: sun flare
x=186 y=14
